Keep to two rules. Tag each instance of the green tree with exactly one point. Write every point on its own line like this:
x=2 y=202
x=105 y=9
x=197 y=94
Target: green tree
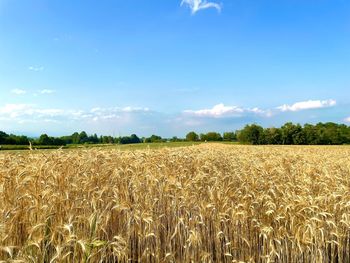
x=272 y=136
x=3 y=137
x=211 y=136
x=58 y=141
x=75 y=138
x=44 y=139
x=130 y=139
x=292 y=134
x=252 y=134
x=299 y=137
x=83 y=137
x=311 y=136
x=134 y=138
x=230 y=136
x=192 y=136
x=153 y=138
x=175 y=139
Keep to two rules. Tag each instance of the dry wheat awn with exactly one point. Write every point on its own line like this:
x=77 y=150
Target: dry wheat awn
x=207 y=203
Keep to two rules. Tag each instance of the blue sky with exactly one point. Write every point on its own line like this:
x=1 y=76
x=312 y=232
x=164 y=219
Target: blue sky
x=167 y=67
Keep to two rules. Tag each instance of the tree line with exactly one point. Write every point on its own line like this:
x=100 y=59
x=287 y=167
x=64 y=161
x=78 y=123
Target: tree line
x=320 y=134
x=79 y=138
x=288 y=134
x=75 y=138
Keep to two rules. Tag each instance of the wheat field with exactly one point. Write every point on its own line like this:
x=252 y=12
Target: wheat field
x=205 y=203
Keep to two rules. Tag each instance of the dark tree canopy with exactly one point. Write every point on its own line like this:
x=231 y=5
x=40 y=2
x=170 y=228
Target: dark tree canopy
x=192 y=137
x=211 y=136
x=229 y=136
x=130 y=139
x=13 y=139
x=252 y=134
x=153 y=138
x=320 y=134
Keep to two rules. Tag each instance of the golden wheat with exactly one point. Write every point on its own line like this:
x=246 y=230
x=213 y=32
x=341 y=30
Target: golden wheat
x=207 y=203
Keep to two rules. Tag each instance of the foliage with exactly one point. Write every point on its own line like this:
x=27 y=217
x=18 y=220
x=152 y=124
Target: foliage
x=252 y=134
x=154 y=138
x=176 y=139
x=210 y=136
x=192 y=137
x=294 y=134
x=229 y=136
x=13 y=139
x=44 y=139
x=130 y=139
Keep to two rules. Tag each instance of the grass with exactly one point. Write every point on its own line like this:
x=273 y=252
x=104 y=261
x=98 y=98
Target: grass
x=156 y=145
x=25 y=147
x=137 y=146
x=203 y=203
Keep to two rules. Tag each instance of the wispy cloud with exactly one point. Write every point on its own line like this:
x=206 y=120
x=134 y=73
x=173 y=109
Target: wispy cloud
x=261 y=112
x=18 y=91
x=114 y=112
x=47 y=91
x=17 y=111
x=347 y=119
x=36 y=68
x=217 y=111
x=196 y=5
x=31 y=112
x=222 y=111
x=307 y=105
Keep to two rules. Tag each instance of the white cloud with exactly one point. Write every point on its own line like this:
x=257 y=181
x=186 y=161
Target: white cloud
x=197 y=5
x=49 y=112
x=30 y=112
x=114 y=112
x=22 y=91
x=23 y=111
x=347 y=119
x=134 y=109
x=14 y=110
x=47 y=91
x=36 y=68
x=307 y=105
x=217 y=111
x=258 y=111
x=222 y=111
x=18 y=91
x=100 y=111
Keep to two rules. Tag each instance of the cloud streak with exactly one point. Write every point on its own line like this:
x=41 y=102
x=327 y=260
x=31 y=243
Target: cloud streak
x=307 y=105
x=18 y=91
x=218 y=111
x=21 y=112
x=98 y=114
x=222 y=111
x=36 y=68
x=197 y=5
x=47 y=91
